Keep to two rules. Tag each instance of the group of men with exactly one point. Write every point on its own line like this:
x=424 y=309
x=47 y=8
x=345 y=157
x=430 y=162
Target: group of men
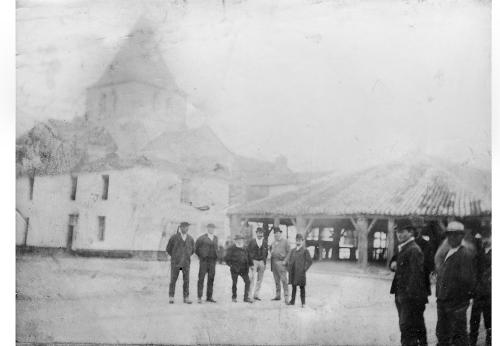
x=242 y=260
x=462 y=274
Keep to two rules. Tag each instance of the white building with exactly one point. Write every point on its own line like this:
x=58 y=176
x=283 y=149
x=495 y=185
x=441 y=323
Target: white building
x=121 y=178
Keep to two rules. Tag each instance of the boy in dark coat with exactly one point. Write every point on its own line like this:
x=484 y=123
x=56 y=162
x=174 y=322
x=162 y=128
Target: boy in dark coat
x=180 y=247
x=239 y=260
x=410 y=289
x=298 y=262
x=482 y=295
x=454 y=288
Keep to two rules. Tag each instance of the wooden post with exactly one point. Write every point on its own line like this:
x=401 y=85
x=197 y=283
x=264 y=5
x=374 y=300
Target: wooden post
x=300 y=225
x=276 y=222
x=235 y=224
x=336 y=243
x=362 y=227
x=320 y=244
x=391 y=241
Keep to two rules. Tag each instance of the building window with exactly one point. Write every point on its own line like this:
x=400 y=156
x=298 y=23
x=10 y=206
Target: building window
x=31 y=186
x=102 y=227
x=379 y=246
x=105 y=186
x=74 y=183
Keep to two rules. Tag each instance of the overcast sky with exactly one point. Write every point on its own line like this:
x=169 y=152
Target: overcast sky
x=332 y=85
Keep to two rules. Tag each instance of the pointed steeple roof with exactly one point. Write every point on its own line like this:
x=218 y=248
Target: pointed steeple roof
x=139 y=59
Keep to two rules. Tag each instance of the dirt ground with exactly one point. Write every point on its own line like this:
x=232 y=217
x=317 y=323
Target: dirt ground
x=70 y=299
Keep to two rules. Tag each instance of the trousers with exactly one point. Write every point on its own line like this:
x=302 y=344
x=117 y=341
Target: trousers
x=480 y=305
x=280 y=277
x=174 y=274
x=411 y=322
x=246 y=279
x=451 y=328
x=257 y=275
x=302 y=294
x=207 y=268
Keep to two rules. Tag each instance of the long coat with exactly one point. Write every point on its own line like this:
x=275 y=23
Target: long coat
x=180 y=250
x=409 y=282
x=238 y=259
x=298 y=263
x=456 y=279
x=205 y=248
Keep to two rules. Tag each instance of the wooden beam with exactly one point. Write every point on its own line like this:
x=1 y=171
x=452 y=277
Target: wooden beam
x=372 y=224
x=441 y=225
x=354 y=222
x=391 y=241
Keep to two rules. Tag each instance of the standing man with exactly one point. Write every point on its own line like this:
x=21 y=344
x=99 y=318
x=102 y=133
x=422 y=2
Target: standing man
x=180 y=247
x=258 y=252
x=279 y=253
x=409 y=288
x=482 y=295
x=206 y=248
x=239 y=261
x=454 y=288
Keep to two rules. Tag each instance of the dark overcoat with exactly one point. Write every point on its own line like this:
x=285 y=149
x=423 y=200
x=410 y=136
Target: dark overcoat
x=409 y=282
x=207 y=249
x=238 y=259
x=180 y=250
x=298 y=263
x=456 y=279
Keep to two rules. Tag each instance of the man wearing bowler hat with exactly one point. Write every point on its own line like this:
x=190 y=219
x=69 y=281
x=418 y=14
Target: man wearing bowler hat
x=258 y=251
x=454 y=289
x=410 y=289
x=180 y=247
x=206 y=248
x=279 y=254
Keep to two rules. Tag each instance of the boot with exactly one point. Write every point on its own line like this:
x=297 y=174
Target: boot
x=187 y=301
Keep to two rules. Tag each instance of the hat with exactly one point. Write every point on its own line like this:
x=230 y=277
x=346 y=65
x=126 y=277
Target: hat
x=211 y=225
x=259 y=229
x=455 y=226
x=239 y=237
x=184 y=224
x=277 y=229
x=299 y=237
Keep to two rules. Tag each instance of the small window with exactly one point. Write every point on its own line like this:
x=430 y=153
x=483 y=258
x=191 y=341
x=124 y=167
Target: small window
x=31 y=184
x=74 y=183
x=102 y=227
x=105 y=186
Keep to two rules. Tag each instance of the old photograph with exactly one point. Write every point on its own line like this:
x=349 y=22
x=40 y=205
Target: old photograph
x=253 y=172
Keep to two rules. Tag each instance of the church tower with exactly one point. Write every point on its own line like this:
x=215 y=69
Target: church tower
x=136 y=99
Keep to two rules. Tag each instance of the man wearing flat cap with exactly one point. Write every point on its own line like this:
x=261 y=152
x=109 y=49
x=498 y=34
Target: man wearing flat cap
x=206 y=248
x=239 y=261
x=410 y=289
x=280 y=249
x=180 y=247
x=454 y=289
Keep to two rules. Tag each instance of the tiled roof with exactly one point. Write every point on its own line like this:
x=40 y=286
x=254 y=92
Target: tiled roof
x=414 y=186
